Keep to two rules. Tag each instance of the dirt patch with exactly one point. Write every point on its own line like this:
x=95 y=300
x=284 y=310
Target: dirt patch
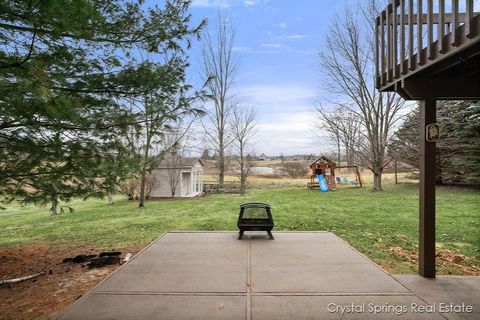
x=403 y=254
x=48 y=295
x=451 y=258
x=386 y=266
x=445 y=259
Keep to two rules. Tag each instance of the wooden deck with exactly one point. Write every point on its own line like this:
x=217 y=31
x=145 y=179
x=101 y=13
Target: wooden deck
x=422 y=45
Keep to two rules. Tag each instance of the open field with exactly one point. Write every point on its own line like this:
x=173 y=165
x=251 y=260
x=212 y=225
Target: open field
x=381 y=225
x=264 y=181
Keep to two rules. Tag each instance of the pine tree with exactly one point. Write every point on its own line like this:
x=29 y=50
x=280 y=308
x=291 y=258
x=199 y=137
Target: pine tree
x=67 y=70
x=458 y=149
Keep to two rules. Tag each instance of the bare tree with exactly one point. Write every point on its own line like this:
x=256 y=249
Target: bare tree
x=295 y=169
x=219 y=68
x=345 y=126
x=350 y=126
x=174 y=175
x=174 y=161
x=347 y=63
x=151 y=182
x=160 y=115
x=129 y=187
x=329 y=121
x=243 y=129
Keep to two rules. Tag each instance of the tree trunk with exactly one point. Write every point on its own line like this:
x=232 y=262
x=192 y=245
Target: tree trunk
x=53 y=209
x=242 y=187
x=110 y=198
x=242 y=168
x=143 y=176
x=221 y=167
x=143 y=173
x=221 y=152
x=338 y=150
x=377 y=180
x=350 y=161
x=396 y=170
x=242 y=178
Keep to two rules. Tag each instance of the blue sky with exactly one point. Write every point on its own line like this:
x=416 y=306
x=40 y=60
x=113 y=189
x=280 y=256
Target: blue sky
x=277 y=41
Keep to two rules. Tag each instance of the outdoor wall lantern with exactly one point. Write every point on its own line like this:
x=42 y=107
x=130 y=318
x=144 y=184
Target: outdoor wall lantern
x=255 y=216
x=432 y=132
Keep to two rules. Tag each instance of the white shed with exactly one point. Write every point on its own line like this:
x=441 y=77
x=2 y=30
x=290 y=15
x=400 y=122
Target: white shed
x=186 y=178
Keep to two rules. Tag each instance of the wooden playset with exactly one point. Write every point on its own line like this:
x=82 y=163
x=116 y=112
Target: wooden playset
x=323 y=169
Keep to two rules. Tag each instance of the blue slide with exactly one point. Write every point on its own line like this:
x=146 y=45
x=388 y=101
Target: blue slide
x=322 y=183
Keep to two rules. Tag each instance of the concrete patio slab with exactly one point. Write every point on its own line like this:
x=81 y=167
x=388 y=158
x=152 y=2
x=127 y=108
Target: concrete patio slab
x=212 y=275
x=355 y=307
x=148 y=307
x=447 y=290
x=185 y=262
x=316 y=262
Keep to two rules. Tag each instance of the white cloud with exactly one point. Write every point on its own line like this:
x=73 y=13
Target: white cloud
x=211 y=3
x=241 y=49
x=225 y=3
x=291 y=133
x=272 y=48
x=282 y=25
x=279 y=43
x=304 y=52
x=250 y=3
x=284 y=96
x=287 y=37
x=297 y=36
x=286 y=118
x=272 y=45
x=249 y=50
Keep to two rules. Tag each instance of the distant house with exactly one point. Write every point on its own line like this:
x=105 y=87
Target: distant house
x=185 y=177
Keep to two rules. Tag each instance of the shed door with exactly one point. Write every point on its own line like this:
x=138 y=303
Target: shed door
x=186 y=183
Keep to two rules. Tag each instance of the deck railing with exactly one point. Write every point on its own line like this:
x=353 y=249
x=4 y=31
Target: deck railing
x=412 y=34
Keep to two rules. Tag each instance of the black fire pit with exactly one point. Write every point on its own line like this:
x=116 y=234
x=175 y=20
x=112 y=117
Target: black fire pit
x=255 y=216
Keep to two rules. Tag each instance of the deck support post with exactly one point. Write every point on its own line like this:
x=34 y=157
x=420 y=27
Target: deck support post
x=427 y=192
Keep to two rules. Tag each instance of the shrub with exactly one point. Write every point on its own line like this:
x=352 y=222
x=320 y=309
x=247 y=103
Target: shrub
x=294 y=169
x=130 y=187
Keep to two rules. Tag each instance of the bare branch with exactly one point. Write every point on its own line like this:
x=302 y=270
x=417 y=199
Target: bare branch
x=219 y=69
x=365 y=121
x=243 y=127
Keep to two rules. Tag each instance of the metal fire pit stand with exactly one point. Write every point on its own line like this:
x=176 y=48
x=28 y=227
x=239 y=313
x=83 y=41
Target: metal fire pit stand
x=255 y=216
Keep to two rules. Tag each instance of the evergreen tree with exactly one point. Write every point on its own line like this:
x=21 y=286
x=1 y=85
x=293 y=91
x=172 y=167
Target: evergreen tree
x=458 y=149
x=459 y=145
x=67 y=69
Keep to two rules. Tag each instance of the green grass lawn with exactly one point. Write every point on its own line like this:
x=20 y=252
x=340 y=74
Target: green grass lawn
x=383 y=226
